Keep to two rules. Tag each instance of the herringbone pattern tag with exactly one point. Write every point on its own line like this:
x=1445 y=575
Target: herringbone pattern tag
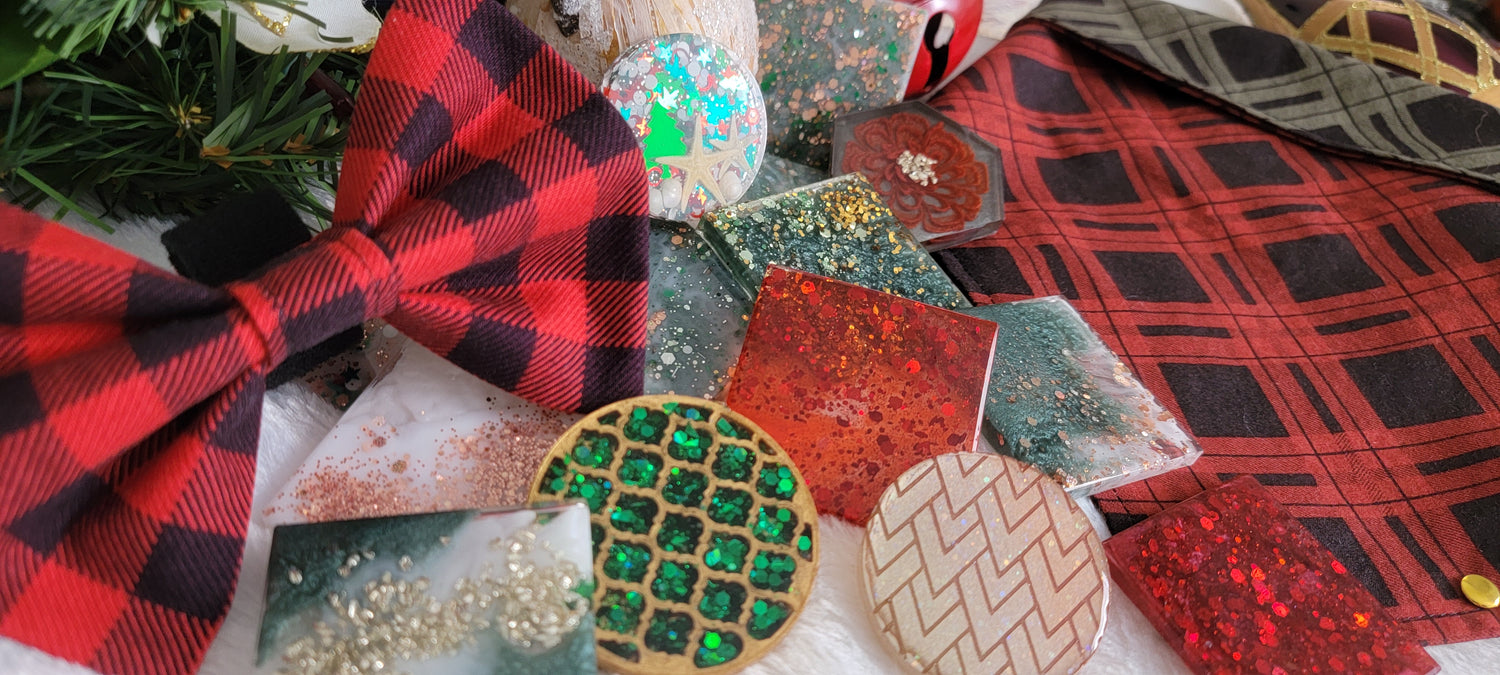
x=977 y=563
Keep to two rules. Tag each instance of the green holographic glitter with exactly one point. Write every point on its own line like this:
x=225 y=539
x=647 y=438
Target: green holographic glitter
x=695 y=316
x=838 y=228
x=1062 y=401
x=674 y=581
x=668 y=632
x=824 y=58
x=766 y=617
x=722 y=600
x=717 y=648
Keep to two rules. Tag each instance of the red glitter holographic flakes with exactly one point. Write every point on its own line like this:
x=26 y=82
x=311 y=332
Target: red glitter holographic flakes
x=1237 y=585
x=859 y=385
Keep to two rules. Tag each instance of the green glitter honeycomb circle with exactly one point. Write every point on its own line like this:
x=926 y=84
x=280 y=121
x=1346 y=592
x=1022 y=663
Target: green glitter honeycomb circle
x=704 y=533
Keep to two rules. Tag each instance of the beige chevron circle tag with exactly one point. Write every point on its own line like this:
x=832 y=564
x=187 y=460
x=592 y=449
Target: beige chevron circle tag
x=976 y=563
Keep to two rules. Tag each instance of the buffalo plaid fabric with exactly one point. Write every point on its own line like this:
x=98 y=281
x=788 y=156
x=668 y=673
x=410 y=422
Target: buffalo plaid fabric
x=1321 y=320
x=492 y=206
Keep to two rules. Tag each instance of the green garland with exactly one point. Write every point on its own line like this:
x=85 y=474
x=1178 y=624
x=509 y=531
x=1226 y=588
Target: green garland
x=169 y=130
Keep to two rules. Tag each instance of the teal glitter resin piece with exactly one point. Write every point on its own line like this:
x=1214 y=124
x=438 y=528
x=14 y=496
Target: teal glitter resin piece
x=824 y=58
x=1061 y=400
x=838 y=228
x=695 y=317
x=511 y=590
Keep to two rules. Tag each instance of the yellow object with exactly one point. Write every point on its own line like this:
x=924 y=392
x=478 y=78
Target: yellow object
x=1344 y=26
x=1480 y=591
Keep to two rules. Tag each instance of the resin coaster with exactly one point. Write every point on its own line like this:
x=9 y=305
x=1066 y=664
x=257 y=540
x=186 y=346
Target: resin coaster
x=942 y=181
x=779 y=175
x=838 y=228
x=1235 y=584
x=699 y=117
x=426 y=437
x=976 y=563
x=704 y=533
x=503 y=591
x=1062 y=401
x=695 y=317
x=822 y=58
x=858 y=385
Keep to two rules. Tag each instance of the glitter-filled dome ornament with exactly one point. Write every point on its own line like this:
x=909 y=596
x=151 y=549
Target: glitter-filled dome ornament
x=705 y=534
x=591 y=34
x=699 y=115
x=951 y=28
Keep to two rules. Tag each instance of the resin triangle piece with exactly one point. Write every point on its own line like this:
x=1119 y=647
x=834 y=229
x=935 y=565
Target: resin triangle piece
x=1062 y=401
x=975 y=564
x=1235 y=584
x=859 y=385
x=839 y=228
x=498 y=592
x=427 y=437
x=695 y=317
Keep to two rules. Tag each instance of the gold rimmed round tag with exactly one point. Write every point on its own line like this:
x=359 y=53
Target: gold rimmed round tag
x=976 y=563
x=704 y=533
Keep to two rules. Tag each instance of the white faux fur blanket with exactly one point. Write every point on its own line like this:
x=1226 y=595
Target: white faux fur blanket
x=833 y=634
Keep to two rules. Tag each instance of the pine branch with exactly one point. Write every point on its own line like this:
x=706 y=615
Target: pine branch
x=171 y=129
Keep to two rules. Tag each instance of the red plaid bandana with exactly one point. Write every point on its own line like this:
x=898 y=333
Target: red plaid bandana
x=492 y=206
x=1324 y=322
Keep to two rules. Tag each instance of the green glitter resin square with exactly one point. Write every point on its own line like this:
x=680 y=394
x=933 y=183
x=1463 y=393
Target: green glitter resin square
x=679 y=534
x=772 y=571
x=1062 y=401
x=775 y=525
x=766 y=617
x=730 y=506
x=674 y=581
x=733 y=462
x=633 y=514
x=627 y=562
x=620 y=611
x=776 y=482
x=822 y=59
x=726 y=552
x=838 y=228
x=690 y=444
x=685 y=488
x=716 y=648
x=722 y=600
x=668 y=632
x=639 y=468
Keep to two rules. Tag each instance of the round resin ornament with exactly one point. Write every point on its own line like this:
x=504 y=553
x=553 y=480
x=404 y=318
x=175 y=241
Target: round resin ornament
x=698 y=114
x=590 y=34
x=975 y=563
x=704 y=533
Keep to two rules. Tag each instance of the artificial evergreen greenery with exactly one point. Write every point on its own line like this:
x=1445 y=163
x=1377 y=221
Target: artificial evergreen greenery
x=169 y=129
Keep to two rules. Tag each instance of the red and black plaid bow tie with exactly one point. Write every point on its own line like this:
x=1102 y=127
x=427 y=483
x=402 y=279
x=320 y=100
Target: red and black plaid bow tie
x=492 y=206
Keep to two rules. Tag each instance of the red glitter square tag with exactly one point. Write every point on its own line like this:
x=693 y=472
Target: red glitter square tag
x=859 y=385
x=1237 y=585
